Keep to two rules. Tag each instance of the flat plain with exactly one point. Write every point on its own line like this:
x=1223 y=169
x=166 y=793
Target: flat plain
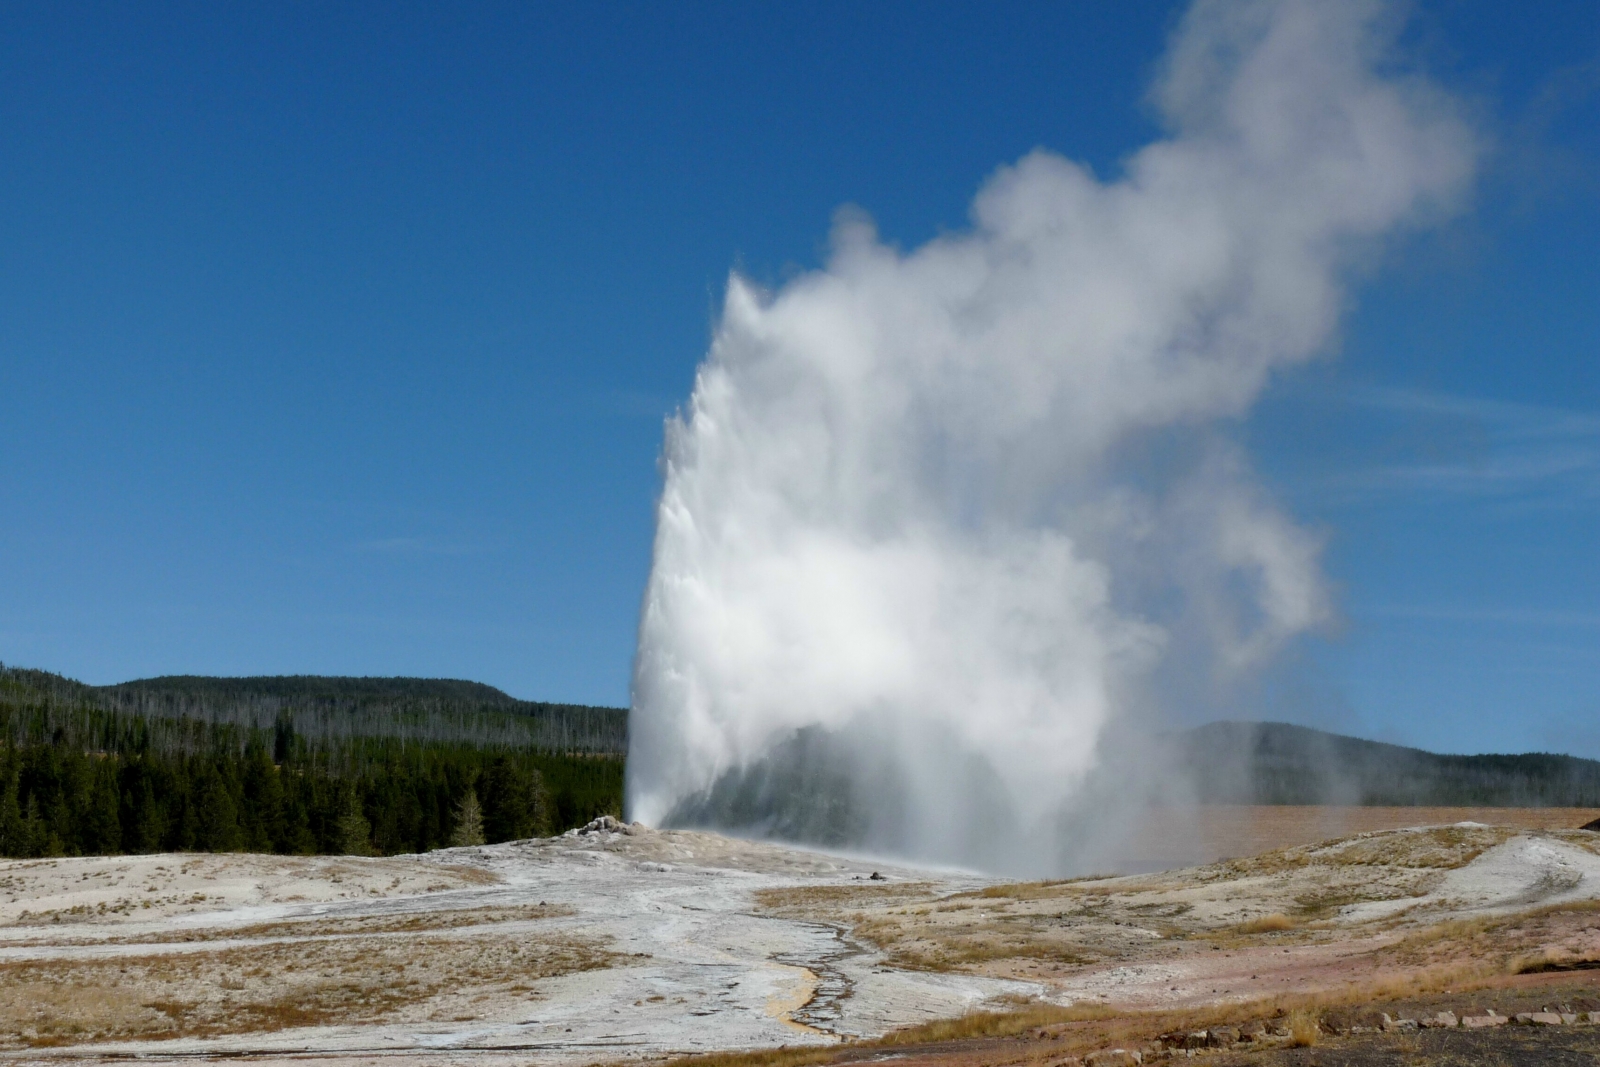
x=628 y=944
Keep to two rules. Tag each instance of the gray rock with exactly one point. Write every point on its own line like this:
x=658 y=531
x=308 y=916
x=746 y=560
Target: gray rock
x=1114 y=1057
x=1222 y=1037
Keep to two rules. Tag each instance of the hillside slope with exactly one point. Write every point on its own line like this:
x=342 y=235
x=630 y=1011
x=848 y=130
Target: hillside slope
x=316 y=707
x=1278 y=763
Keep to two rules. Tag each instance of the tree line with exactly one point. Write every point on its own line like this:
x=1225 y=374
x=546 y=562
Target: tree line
x=322 y=708
x=80 y=778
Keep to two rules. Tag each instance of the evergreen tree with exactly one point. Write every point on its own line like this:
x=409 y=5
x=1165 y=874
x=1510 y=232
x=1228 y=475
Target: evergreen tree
x=100 y=825
x=139 y=813
x=13 y=831
x=37 y=837
x=469 y=822
x=217 y=820
x=283 y=738
x=261 y=820
x=355 y=833
x=512 y=802
x=297 y=840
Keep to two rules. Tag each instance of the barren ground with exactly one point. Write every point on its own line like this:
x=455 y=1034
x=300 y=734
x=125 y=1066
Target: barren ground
x=646 y=944
x=1177 y=837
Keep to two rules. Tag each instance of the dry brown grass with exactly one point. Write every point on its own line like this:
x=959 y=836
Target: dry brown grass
x=1036 y=890
x=1080 y=1029
x=1305 y=1028
x=1324 y=902
x=1032 y=930
x=1021 y=927
x=472 y=875
x=1441 y=848
x=415 y=922
x=1571 y=907
x=1025 y=929
x=321 y=927
x=828 y=901
x=777 y=1057
x=1497 y=941
x=916 y=930
x=145 y=887
x=275 y=985
x=1075 y=1029
x=922 y=943
x=1198 y=835
x=1437 y=849
x=1553 y=959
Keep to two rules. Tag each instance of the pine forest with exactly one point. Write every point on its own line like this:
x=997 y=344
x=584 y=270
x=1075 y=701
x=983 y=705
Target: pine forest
x=293 y=765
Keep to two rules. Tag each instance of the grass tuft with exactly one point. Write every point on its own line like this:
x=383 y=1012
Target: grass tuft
x=1267 y=924
x=1305 y=1028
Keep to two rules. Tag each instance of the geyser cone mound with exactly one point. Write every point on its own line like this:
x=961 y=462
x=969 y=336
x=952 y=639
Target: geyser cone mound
x=848 y=789
x=803 y=790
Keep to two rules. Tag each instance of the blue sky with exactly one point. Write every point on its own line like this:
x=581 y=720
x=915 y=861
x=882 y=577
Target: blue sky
x=339 y=340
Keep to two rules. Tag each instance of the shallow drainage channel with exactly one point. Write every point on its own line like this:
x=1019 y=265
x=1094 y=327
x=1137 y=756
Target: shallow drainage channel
x=825 y=1010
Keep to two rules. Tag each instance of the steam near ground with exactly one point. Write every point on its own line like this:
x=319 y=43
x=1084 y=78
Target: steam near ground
x=935 y=522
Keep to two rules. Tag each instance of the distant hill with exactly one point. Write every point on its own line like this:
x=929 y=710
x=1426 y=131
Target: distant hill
x=327 y=687
x=293 y=765
x=1277 y=763
x=424 y=709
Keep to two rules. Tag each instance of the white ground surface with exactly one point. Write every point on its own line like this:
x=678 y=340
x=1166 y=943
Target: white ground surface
x=701 y=970
x=653 y=943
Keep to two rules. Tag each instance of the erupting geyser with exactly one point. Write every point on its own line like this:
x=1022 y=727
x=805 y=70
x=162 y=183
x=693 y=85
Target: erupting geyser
x=932 y=520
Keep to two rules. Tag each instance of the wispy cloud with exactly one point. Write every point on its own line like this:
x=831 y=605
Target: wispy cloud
x=1522 y=454
x=1534 y=419
x=1500 y=616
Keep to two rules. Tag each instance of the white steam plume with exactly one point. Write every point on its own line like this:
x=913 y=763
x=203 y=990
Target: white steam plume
x=959 y=504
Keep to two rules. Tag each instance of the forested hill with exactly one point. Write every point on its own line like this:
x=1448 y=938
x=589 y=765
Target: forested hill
x=297 y=765
x=1277 y=763
x=335 y=707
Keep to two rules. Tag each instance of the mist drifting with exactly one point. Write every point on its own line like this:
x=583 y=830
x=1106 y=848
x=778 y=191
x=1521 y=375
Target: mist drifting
x=932 y=521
